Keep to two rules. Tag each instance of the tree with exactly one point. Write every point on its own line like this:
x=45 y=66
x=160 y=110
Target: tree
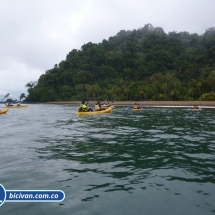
x=30 y=85
x=164 y=88
x=146 y=62
x=22 y=96
x=140 y=90
x=97 y=88
x=198 y=85
x=87 y=87
x=191 y=92
x=212 y=79
x=146 y=91
x=126 y=90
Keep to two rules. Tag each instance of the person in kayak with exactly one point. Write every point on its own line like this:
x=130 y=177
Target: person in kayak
x=84 y=107
x=196 y=107
x=98 y=107
x=136 y=106
x=107 y=105
x=9 y=104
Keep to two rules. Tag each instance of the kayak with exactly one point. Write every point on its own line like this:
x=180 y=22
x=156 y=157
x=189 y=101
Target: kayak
x=16 y=106
x=195 y=109
x=3 y=111
x=137 y=108
x=96 y=112
x=106 y=107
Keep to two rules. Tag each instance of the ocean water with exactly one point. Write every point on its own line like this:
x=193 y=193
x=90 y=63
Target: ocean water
x=154 y=161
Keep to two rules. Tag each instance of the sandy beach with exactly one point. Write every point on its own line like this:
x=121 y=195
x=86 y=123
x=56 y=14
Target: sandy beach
x=146 y=103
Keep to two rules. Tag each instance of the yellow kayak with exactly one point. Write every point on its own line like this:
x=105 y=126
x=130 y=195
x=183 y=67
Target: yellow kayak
x=195 y=108
x=137 y=108
x=96 y=112
x=16 y=106
x=3 y=111
x=106 y=107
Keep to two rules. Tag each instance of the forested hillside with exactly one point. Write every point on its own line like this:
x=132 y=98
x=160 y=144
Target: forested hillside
x=142 y=64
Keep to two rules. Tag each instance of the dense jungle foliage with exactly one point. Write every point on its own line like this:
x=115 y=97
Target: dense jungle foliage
x=143 y=64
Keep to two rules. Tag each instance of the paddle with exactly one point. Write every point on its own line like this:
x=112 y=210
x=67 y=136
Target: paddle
x=13 y=102
x=142 y=105
x=107 y=98
x=5 y=96
x=111 y=102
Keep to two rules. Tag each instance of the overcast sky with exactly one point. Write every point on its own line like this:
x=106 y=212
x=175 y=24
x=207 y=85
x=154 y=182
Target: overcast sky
x=36 y=35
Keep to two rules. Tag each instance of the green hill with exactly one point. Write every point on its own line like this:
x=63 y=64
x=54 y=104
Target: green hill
x=142 y=64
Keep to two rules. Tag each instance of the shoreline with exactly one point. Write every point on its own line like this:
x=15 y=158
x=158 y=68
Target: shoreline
x=130 y=103
x=143 y=103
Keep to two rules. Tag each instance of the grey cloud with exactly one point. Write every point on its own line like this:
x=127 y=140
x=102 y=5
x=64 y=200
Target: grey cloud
x=35 y=35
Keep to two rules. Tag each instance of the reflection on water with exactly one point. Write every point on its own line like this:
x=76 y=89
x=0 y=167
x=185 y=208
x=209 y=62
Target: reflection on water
x=111 y=164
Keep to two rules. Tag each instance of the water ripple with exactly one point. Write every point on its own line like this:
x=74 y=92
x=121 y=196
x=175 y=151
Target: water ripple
x=103 y=161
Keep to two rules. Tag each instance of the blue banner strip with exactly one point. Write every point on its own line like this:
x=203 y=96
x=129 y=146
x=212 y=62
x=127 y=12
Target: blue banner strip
x=34 y=195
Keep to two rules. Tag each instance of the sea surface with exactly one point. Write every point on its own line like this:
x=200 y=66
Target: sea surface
x=156 y=161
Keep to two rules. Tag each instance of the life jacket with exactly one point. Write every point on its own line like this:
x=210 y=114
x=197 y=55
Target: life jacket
x=136 y=107
x=97 y=108
x=82 y=108
x=79 y=108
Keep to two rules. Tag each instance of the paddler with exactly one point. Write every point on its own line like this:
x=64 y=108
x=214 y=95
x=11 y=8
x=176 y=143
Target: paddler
x=135 y=106
x=9 y=104
x=105 y=106
x=98 y=107
x=84 y=107
x=196 y=107
x=138 y=106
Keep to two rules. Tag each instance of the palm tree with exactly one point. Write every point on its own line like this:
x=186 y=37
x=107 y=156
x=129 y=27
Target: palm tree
x=191 y=92
x=146 y=91
x=154 y=89
x=172 y=93
x=140 y=89
x=199 y=84
x=212 y=79
x=93 y=90
x=97 y=88
x=116 y=89
x=130 y=87
x=31 y=85
x=22 y=96
x=164 y=88
x=87 y=87
x=169 y=79
x=126 y=90
x=79 y=87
